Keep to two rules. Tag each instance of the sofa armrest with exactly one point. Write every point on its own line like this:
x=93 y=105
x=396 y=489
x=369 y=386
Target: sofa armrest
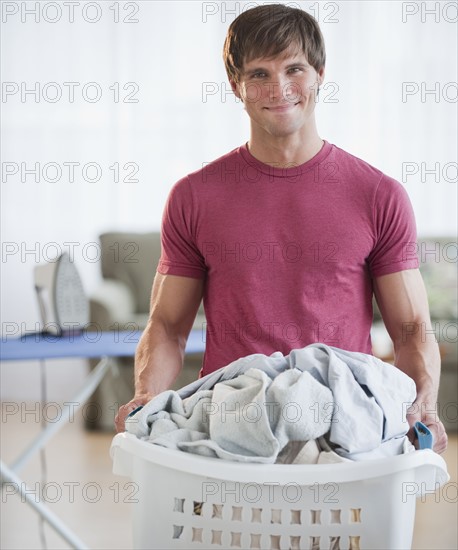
x=113 y=302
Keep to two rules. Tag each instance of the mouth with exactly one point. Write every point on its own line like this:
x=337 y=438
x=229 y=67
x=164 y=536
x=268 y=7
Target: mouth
x=283 y=108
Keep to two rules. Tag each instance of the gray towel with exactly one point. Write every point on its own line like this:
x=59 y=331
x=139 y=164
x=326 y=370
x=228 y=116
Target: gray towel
x=247 y=419
x=249 y=410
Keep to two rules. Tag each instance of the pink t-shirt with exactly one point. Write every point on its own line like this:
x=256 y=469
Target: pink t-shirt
x=288 y=255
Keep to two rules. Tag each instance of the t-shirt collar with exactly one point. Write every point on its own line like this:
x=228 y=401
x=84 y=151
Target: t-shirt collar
x=284 y=172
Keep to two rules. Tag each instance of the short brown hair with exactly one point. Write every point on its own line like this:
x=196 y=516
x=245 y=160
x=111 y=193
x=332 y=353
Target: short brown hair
x=269 y=30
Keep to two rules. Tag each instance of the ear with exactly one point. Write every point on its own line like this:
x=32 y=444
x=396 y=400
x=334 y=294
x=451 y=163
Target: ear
x=320 y=76
x=235 y=88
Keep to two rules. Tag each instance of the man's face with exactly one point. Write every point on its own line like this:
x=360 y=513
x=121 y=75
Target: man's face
x=279 y=93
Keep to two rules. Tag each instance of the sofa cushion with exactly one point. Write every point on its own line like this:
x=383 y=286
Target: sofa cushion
x=132 y=258
x=438 y=257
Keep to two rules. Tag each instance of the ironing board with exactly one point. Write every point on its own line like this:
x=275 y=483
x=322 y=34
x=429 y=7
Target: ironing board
x=86 y=345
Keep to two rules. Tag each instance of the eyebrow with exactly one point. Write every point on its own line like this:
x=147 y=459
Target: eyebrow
x=263 y=69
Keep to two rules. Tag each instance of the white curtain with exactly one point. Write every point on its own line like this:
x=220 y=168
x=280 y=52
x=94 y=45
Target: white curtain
x=165 y=58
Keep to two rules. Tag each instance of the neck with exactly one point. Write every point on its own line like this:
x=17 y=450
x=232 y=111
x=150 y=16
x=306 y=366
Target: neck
x=284 y=152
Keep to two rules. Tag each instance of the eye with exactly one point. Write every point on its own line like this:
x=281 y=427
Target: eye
x=294 y=70
x=259 y=74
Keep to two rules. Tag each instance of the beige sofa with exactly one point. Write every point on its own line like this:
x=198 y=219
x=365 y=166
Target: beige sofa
x=128 y=264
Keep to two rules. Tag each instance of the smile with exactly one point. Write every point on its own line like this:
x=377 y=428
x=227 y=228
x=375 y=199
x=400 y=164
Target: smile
x=282 y=108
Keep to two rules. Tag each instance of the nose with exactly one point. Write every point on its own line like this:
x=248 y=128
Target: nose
x=276 y=87
x=282 y=88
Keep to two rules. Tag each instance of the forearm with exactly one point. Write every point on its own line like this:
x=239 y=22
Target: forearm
x=404 y=307
x=158 y=360
x=417 y=354
x=160 y=352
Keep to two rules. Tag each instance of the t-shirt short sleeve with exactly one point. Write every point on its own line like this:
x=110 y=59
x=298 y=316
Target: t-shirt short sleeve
x=395 y=230
x=179 y=252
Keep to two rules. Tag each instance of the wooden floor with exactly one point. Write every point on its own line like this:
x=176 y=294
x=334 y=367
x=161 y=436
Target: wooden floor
x=95 y=503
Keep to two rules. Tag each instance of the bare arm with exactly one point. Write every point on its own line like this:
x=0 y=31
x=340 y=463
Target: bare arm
x=160 y=352
x=403 y=304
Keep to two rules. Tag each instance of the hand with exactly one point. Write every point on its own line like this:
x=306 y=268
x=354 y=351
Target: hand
x=126 y=409
x=425 y=412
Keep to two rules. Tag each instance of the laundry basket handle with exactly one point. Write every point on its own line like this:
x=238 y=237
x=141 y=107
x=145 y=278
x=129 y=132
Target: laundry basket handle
x=424 y=436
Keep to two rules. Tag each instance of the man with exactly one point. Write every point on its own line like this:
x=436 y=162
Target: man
x=287 y=237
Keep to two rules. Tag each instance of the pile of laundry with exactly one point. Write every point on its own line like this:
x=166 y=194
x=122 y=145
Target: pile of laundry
x=319 y=404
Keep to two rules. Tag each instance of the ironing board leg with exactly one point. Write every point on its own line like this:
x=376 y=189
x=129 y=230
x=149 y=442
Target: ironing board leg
x=8 y=476
x=90 y=384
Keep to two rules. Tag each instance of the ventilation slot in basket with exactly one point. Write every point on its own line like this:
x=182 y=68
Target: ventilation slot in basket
x=355 y=515
x=255 y=543
x=335 y=516
x=256 y=515
x=236 y=540
x=197 y=534
x=315 y=518
x=275 y=542
x=216 y=537
x=354 y=543
x=295 y=517
x=179 y=505
x=276 y=516
x=197 y=508
x=177 y=531
x=217 y=511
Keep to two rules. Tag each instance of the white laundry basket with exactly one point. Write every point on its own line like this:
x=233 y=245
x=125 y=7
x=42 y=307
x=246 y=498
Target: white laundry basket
x=188 y=501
